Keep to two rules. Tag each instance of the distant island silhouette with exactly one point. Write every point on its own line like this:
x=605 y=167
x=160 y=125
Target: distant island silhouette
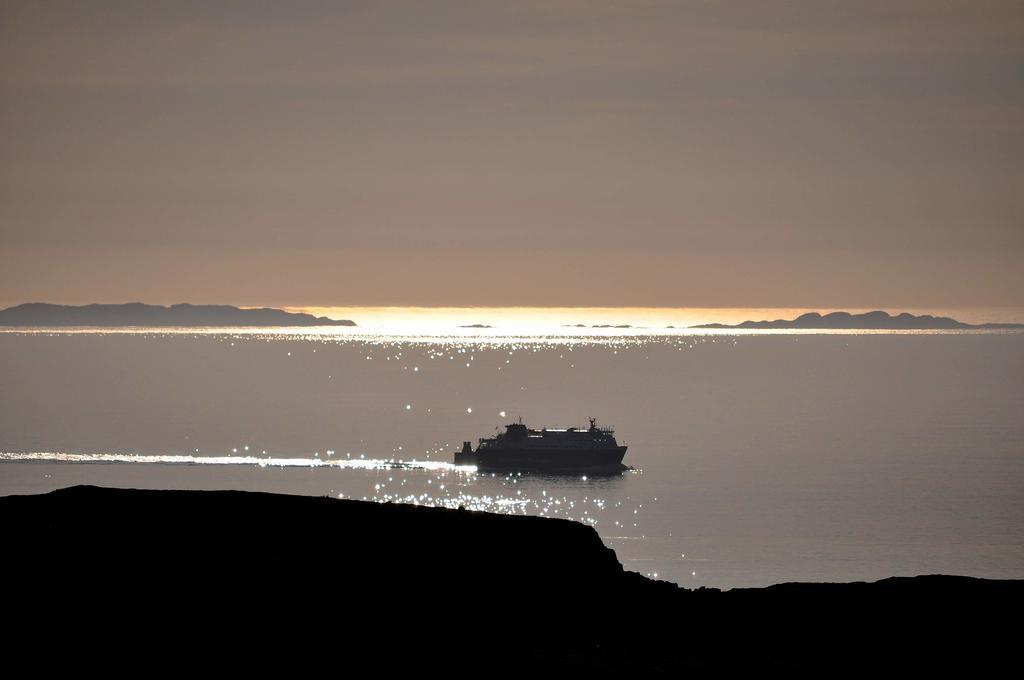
x=477 y=325
x=596 y=325
x=868 y=321
x=138 y=314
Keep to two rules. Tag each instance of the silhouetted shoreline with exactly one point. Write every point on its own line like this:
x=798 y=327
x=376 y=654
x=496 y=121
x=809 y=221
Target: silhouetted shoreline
x=39 y=314
x=518 y=591
x=867 y=321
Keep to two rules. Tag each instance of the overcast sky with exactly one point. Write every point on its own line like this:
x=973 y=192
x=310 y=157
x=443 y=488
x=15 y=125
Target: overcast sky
x=821 y=154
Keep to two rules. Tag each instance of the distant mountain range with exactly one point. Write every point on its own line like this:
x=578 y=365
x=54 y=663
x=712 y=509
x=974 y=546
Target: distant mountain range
x=866 y=321
x=138 y=314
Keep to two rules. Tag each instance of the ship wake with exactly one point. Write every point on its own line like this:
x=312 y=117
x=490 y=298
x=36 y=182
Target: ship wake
x=245 y=460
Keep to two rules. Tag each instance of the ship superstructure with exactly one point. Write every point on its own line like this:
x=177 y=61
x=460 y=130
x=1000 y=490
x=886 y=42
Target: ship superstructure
x=548 y=449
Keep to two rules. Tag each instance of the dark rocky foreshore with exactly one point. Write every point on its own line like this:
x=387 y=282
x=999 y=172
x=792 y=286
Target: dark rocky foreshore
x=434 y=589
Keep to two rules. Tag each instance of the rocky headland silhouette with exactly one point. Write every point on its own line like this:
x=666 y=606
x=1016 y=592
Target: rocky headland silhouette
x=246 y=576
x=877 y=320
x=41 y=314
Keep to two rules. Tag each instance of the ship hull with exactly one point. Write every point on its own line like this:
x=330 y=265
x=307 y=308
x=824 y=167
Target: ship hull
x=545 y=460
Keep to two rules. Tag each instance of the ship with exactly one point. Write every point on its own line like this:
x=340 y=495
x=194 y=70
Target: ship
x=569 y=450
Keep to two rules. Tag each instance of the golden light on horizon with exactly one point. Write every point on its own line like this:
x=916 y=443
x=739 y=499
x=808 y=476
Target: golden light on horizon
x=583 y=320
x=539 y=319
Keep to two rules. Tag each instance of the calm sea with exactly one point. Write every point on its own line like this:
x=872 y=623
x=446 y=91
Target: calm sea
x=758 y=457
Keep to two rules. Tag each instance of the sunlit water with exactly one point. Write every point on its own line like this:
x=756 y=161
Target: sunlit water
x=758 y=457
